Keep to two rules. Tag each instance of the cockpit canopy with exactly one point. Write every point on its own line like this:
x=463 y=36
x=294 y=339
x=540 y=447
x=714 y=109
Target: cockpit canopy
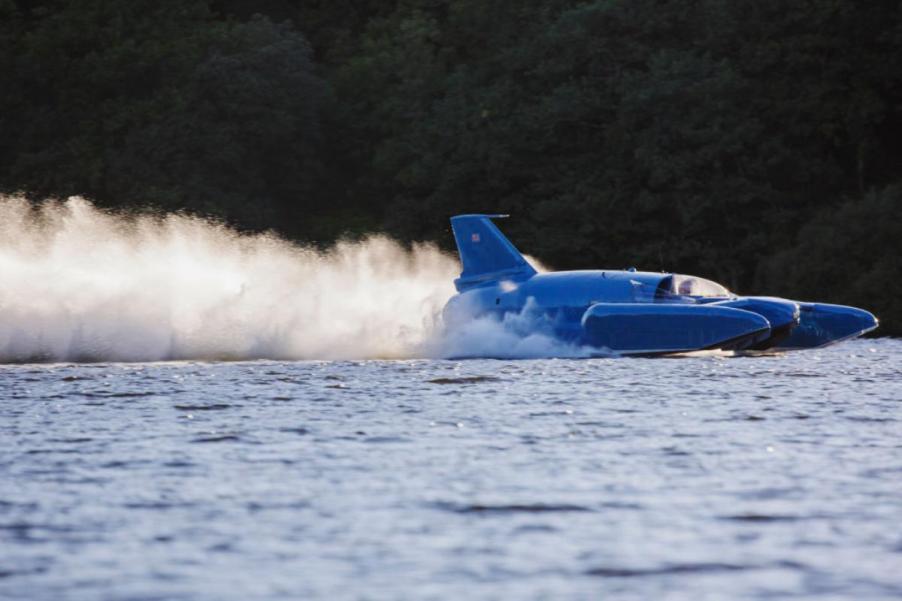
x=690 y=285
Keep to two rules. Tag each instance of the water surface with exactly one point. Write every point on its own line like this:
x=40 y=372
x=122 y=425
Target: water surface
x=707 y=477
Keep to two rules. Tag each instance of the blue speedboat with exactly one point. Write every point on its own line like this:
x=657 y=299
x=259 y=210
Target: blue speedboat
x=632 y=312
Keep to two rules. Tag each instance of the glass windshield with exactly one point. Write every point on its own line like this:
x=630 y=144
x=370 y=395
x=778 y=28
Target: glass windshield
x=688 y=285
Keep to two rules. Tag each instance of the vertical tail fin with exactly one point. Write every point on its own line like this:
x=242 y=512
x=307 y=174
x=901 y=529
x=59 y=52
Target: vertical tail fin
x=485 y=254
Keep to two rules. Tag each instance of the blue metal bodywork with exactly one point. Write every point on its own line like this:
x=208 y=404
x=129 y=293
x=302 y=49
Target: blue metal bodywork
x=632 y=312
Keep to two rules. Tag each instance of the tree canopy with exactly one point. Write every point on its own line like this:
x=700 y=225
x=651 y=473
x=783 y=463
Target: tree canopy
x=755 y=142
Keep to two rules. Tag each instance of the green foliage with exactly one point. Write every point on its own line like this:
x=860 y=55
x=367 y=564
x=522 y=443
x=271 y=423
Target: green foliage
x=693 y=136
x=157 y=103
x=848 y=255
x=718 y=137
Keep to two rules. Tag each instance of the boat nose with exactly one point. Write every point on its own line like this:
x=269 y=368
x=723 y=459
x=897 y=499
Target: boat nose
x=844 y=321
x=866 y=320
x=823 y=324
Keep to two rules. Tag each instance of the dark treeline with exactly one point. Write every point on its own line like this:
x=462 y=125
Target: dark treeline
x=755 y=142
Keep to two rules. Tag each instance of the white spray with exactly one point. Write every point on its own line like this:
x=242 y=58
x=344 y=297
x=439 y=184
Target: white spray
x=77 y=283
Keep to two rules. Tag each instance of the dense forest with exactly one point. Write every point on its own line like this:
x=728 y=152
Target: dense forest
x=755 y=142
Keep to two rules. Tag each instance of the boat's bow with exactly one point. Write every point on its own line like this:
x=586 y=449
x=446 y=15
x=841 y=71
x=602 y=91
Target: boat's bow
x=821 y=324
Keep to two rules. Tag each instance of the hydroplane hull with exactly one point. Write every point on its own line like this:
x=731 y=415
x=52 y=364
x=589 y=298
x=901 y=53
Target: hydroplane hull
x=631 y=312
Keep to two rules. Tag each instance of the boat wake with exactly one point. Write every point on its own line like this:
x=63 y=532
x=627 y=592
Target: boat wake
x=81 y=284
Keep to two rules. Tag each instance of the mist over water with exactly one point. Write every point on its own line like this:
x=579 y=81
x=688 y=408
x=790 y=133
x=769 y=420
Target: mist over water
x=77 y=283
x=81 y=284
x=524 y=335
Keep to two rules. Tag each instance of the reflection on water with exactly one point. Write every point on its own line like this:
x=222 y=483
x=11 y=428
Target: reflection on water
x=700 y=477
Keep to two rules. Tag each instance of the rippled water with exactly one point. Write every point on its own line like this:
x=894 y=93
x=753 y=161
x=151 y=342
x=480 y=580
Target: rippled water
x=701 y=478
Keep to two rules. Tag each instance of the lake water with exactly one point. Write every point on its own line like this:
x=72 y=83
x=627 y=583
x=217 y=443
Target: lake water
x=707 y=477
